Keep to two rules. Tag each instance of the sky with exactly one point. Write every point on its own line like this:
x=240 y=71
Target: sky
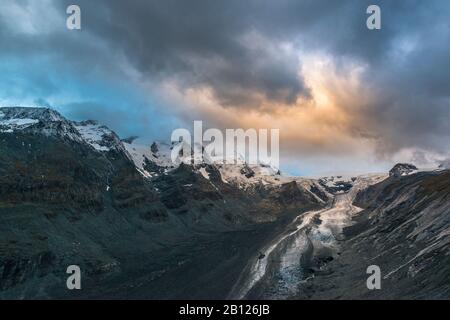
x=346 y=99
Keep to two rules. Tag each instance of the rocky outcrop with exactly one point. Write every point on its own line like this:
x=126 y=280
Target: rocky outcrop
x=402 y=169
x=247 y=171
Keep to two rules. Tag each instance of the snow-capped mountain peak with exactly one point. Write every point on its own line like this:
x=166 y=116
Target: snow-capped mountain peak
x=35 y=113
x=100 y=137
x=158 y=153
x=51 y=123
x=18 y=118
x=402 y=169
x=156 y=158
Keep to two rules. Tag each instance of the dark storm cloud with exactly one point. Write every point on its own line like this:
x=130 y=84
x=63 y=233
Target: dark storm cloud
x=202 y=43
x=411 y=78
x=236 y=49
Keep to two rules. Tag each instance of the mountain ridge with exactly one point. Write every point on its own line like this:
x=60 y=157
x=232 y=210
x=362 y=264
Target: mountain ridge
x=140 y=226
x=70 y=193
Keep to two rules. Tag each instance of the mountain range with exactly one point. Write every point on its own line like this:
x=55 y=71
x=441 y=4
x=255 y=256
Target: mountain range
x=140 y=226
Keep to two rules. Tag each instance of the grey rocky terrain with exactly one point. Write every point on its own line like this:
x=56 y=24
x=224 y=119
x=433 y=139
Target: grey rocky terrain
x=140 y=226
x=404 y=230
x=71 y=193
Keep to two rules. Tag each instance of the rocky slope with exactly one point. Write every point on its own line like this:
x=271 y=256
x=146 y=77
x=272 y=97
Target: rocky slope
x=403 y=229
x=140 y=226
x=74 y=193
x=294 y=258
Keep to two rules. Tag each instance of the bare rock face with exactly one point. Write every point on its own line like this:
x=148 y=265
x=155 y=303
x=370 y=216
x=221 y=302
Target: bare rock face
x=402 y=169
x=247 y=171
x=154 y=148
